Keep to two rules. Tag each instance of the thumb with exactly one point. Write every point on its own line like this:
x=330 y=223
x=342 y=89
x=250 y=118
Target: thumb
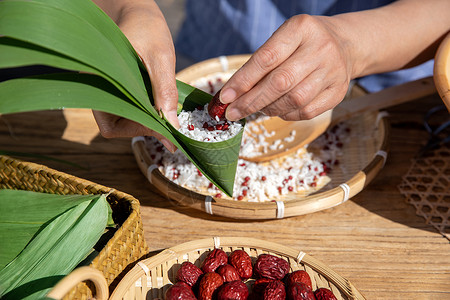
x=164 y=88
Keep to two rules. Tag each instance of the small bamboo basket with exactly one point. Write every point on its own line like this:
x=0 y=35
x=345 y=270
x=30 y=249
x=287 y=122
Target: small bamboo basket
x=151 y=277
x=125 y=247
x=363 y=158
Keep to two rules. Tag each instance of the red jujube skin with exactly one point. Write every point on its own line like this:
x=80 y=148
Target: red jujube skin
x=217 y=108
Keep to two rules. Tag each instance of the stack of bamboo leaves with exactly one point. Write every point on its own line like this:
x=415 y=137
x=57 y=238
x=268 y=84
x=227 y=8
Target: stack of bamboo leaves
x=44 y=237
x=104 y=73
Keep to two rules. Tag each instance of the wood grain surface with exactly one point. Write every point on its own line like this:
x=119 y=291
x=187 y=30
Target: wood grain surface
x=375 y=239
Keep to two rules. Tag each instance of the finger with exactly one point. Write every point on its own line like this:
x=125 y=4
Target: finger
x=112 y=126
x=326 y=100
x=164 y=89
x=155 y=47
x=302 y=94
x=274 y=85
x=270 y=55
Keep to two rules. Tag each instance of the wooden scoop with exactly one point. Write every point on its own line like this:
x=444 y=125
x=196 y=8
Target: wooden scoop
x=308 y=130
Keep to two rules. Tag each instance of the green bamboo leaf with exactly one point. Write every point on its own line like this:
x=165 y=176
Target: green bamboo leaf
x=56 y=250
x=72 y=90
x=219 y=158
x=190 y=97
x=26 y=213
x=72 y=36
x=15 y=53
x=65 y=36
x=101 y=21
x=96 y=17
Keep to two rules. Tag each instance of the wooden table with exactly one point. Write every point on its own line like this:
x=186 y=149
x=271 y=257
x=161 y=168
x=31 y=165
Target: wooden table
x=375 y=239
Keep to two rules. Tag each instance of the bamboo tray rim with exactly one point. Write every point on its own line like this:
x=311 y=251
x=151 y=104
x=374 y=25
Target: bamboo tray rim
x=267 y=209
x=233 y=209
x=174 y=252
x=378 y=161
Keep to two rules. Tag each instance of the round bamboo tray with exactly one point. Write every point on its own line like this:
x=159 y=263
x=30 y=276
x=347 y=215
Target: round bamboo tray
x=442 y=71
x=151 y=277
x=363 y=158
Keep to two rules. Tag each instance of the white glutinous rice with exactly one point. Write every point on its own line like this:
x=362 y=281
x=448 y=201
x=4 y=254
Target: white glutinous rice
x=301 y=172
x=198 y=125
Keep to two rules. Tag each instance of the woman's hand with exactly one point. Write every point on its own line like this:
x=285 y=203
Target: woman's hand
x=301 y=71
x=145 y=27
x=305 y=67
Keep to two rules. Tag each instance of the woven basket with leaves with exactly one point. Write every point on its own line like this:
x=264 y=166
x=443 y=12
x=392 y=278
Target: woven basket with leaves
x=125 y=246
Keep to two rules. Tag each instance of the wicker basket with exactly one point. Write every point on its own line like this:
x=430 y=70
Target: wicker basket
x=125 y=247
x=151 y=277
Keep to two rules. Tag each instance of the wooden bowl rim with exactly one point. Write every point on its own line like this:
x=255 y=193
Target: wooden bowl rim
x=441 y=72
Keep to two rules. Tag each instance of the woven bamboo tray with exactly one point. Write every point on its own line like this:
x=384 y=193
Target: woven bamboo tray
x=363 y=158
x=151 y=277
x=127 y=244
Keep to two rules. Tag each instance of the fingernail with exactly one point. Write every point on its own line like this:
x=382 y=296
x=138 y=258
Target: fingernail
x=227 y=95
x=168 y=144
x=232 y=114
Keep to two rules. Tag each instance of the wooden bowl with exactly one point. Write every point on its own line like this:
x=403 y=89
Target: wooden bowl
x=151 y=277
x=364 y=156
x=442 y=71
